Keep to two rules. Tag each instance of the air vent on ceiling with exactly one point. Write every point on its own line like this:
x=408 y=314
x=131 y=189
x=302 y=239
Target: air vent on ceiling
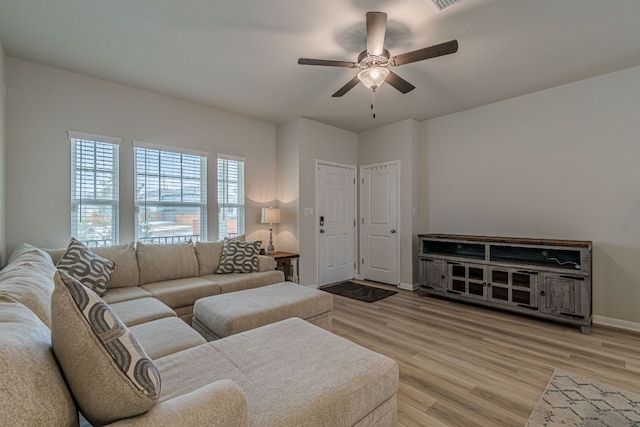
x=440 y=5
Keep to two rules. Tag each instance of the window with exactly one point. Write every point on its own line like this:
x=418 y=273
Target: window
x=171 y=194
x=94 y=188
x=230 y=196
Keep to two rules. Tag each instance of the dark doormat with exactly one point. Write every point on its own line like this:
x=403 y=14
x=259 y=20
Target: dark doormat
x=357 y=291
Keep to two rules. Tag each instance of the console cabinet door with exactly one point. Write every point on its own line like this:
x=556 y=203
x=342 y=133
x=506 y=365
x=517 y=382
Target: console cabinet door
x=469 y=280
x=433 y=274
x=562 y=295
x=513 y=286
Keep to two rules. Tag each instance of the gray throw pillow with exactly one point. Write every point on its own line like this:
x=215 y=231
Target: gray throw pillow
x=239 y=257
x=108 y=372
x=91 y=270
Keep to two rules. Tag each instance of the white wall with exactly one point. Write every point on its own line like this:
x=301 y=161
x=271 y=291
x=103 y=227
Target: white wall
x=3 y=145
x=560 y=163
x=312 y=141
x=398 y=141
x=43 y=103
x=288 y=174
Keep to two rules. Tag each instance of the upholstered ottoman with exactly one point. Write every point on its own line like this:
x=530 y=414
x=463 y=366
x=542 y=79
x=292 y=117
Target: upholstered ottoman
x=222 y=315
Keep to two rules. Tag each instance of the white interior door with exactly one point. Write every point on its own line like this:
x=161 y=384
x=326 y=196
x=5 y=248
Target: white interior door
x=335 y=223
x=379 y=223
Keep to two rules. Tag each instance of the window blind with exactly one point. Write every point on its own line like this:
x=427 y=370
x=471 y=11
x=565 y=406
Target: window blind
x=94 y=188
x=231 y=206
x=171 y=195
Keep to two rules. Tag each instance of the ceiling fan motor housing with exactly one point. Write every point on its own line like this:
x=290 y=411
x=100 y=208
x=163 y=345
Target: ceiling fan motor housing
x=365 y=60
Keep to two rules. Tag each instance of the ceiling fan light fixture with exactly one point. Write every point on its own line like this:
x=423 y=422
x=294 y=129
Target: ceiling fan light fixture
x=373 y=77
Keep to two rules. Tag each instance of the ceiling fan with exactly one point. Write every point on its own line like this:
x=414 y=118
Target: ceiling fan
x=374 y=62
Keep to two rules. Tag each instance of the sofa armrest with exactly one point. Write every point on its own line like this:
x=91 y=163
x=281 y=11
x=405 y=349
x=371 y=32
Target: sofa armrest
x=221 y=403
x=266 y=263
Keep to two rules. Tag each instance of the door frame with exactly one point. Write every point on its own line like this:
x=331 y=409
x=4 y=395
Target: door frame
x=397 y=163
x=316 y=216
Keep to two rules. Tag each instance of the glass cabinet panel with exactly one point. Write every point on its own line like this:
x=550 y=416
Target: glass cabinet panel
x=468 y=279
x=512 y=286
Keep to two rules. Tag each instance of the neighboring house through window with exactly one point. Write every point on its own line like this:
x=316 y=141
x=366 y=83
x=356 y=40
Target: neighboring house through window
x=230 y=196
x=171 y=194
x=94 y=188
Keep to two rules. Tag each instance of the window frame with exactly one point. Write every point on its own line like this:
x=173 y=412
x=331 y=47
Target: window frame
x=77 y=203
x=145 y=204
x=222 y=194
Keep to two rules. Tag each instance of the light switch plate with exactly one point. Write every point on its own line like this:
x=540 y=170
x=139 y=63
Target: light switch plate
x=308 y=211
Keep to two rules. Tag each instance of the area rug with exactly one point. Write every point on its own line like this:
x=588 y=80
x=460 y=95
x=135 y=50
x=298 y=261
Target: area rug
x=360 y=292
x=574 y=400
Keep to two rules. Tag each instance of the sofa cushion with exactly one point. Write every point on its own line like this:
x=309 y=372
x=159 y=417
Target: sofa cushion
x=165 y=336
x=208 y=254
x=33 y=391
x=28 y=279
x=125 y=294
x=166 y=262
x=142 y=310
x=108 y=372
x=239 y=257
x=124 y=256
x=126 y=273
x=55 y=254
x=25 y=250
x=266 y=263
x=329 y=380
x=182 y=292
x=90 y=269
x=238 y=282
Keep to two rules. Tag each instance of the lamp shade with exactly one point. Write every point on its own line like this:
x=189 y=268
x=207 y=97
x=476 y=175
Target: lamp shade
x=373 y=77
x=270 y=216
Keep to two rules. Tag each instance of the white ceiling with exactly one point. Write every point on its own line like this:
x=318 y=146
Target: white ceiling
x=241 y=55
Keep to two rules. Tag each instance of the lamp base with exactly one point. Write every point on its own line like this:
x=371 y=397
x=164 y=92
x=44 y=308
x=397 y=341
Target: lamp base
x=270 y=248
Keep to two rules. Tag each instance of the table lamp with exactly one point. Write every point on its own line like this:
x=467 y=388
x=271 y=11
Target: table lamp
x=270 y=216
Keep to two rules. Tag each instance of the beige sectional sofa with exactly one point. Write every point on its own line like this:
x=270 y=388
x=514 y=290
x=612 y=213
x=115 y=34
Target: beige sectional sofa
x=54 y=363
x=176 y=274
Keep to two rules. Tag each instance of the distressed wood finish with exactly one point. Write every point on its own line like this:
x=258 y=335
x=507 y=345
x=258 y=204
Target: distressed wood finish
x=541 y=277
x=466 y=365
x=512 y=240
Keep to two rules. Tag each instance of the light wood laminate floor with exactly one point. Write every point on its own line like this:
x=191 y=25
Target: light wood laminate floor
x=464 y=365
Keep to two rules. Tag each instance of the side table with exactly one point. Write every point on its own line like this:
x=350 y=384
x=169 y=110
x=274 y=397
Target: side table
x=287 y=262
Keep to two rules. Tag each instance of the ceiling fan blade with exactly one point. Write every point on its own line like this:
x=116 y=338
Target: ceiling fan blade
x=376 y=28
x=399 y=83
x=445 y=48
x=346 y=88
x=327 y=63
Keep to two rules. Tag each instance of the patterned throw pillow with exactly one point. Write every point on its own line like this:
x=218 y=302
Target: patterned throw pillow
x=91 y=270
x=110 y=375
x=239 y=257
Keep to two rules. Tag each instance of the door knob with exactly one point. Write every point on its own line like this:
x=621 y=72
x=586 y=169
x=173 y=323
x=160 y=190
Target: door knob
x=393 y=231
x=322 y=230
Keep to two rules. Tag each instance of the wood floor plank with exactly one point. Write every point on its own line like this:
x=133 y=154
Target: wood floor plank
x=465 y=365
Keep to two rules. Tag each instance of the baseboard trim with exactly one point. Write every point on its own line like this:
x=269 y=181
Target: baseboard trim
x=616 y=323
x=408 y=287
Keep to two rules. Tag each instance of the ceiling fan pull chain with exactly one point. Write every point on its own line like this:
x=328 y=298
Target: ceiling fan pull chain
x=373 y=103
